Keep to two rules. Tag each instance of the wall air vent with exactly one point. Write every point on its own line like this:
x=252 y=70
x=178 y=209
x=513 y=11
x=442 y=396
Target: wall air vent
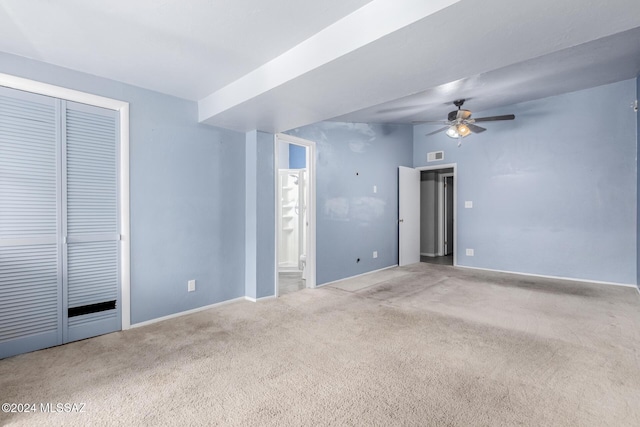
x=434 y=156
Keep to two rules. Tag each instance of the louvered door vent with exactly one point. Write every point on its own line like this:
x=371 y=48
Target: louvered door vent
x=91 y=308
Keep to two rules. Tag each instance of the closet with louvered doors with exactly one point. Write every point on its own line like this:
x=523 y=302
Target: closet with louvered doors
x=59 y=222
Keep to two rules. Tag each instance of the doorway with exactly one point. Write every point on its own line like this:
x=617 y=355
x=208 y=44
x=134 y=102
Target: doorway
x=437 y=223
x=295 y=214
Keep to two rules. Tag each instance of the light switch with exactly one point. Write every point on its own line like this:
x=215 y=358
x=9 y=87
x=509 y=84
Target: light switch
x=375 y=188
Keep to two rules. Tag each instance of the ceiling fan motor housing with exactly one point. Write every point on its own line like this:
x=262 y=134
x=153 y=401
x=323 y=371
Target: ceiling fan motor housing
x=453 y=115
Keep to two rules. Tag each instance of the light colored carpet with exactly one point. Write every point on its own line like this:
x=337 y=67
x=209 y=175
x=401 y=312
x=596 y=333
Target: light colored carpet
x=361 y=282
x=435 y=346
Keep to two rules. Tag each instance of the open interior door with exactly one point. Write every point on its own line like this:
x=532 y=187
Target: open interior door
x=408 y=215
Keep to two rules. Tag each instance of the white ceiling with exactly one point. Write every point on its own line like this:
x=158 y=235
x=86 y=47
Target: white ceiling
x=280 y=64
x=606 y=60
x=184 y=48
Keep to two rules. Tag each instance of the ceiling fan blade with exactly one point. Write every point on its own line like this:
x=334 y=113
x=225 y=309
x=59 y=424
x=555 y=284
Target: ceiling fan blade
x=495 y=118
x=475 y=129
x=429 y=121
x=437 y=131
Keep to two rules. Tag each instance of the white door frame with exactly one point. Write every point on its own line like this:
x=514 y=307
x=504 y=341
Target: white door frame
x=441 y=211
x=122 y=108
x=311 y=205
x=455 y=203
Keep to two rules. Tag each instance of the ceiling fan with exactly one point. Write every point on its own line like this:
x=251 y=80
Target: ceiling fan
x=460 y=124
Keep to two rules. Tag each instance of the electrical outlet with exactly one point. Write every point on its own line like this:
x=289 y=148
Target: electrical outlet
x=375 y=254
x=469 y=252
x=468 y=204
x=191 y=285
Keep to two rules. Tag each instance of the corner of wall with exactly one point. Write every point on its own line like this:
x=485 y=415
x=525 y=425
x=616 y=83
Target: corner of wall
x=637 y=188
x=250 y=213
x=259 y=216
x=266 y=216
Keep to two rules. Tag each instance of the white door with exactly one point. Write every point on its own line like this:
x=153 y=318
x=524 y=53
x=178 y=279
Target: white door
x=408 y=215
x=59 y=227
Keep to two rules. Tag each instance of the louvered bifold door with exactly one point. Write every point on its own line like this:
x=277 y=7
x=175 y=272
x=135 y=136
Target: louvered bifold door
x=90 y=221
x=30 y=258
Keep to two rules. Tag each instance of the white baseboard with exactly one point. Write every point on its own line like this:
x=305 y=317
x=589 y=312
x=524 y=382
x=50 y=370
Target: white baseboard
x=357 y=275
x=428 y=254
x=184 y=313
x=259 y=299
x=569 y=279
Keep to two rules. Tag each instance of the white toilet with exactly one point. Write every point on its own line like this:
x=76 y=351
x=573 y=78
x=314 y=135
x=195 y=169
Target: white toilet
x=303 y=265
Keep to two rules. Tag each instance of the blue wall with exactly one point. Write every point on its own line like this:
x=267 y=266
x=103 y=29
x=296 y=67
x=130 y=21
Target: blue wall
x=352 y=221
x=250 y=209
x=297 y=157
x=187 y=195
x=554 y=192
x=260 y=215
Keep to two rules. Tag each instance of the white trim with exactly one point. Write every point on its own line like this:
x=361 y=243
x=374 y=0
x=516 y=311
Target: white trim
x=59 y=92
x=125 y=219
x=454 y=166
x=122 y=107
x=428 y=254
x=310 y=269
x=373 y=21
x=260 y=299
x=443 y=208
x=543 y=276
x=184 y=313
x=359 y=275
x=278 y=214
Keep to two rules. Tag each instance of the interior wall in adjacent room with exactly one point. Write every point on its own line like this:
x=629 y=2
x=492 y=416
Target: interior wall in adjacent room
x=428 y=213
x=283 y=155
x=297 y=157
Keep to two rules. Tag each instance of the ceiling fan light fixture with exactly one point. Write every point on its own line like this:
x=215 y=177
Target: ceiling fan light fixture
x=463 y=130
x=459 y=123
x=452 y=132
